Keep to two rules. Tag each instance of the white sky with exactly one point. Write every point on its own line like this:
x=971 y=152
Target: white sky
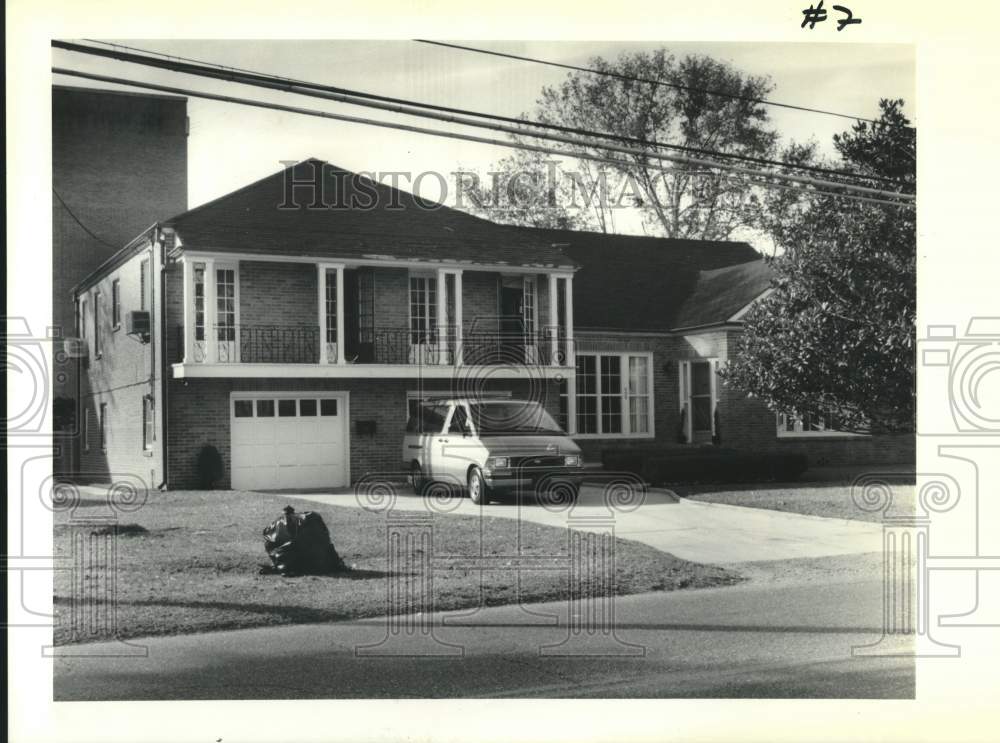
x=232 y=145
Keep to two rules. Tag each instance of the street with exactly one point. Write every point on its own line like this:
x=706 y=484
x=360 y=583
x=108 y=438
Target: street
x=752 y=640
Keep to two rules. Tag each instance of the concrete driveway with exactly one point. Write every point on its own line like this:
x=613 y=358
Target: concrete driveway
x=692 y=530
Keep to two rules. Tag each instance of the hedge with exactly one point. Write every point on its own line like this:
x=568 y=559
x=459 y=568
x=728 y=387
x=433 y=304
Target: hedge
x=706 y=464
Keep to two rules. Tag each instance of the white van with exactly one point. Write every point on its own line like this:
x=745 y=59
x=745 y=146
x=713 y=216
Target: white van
x=490 y=446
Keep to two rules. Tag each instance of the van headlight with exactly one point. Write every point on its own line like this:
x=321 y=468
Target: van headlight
x=498 y=463
x=572 y=460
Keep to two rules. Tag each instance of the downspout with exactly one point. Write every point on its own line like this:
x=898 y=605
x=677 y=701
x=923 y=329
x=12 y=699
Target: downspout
x=162 y=339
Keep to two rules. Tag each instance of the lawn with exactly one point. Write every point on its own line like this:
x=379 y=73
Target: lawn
x=830 y=499
x=188 y=561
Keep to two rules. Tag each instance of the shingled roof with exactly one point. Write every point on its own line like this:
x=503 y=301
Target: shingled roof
x=397 y=225
x=629 y=282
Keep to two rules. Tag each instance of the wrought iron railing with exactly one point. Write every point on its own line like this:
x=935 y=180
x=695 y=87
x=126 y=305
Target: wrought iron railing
x=300 y=344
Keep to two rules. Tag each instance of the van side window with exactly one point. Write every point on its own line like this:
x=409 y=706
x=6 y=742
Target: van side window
x=432 y=418
x=459 y=421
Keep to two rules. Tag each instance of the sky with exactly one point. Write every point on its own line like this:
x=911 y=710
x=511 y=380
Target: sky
x=230 y=145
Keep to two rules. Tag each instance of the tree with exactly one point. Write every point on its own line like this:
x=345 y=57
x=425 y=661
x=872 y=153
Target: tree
x=676 y=199
x=837 y=334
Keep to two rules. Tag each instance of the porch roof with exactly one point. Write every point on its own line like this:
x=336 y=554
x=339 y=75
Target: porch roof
x=397 y=226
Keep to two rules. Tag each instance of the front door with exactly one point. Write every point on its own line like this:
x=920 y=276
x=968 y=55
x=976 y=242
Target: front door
x=512 y=324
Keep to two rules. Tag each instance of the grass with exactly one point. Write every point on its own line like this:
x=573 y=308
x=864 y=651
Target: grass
x=829 y=499
x=188 y=561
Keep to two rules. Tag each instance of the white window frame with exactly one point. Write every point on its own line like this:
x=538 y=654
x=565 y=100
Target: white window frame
x=626 y=432
x=684 y=394
x=214 y=334
x=781 y=420
x=102 y=424
x=148 y=423
x=429 y=306
x=116 y=304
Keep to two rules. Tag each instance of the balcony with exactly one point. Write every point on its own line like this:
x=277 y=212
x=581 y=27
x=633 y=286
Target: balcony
x=245 y=344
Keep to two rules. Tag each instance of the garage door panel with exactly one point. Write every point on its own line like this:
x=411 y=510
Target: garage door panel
x=274 y=452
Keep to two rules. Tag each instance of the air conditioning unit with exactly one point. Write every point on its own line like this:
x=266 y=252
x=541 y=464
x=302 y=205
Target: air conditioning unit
x=137 y=323
x=75 y=348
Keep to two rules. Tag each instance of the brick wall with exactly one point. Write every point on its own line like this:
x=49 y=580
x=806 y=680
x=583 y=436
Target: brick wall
x=199 y=414
x=283 y=294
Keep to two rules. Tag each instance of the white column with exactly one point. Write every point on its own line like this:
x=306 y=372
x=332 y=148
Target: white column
x=442 y=314
x=321 y=291
x=458 y=317
x=341 y=357
x=570 y=351
x=188 y=268
x=553 y=319
x=211 y=314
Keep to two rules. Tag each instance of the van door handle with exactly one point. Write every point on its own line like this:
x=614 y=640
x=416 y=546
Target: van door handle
x=443 y=441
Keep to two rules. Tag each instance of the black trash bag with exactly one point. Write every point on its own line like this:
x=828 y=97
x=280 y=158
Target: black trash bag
x=299 y=544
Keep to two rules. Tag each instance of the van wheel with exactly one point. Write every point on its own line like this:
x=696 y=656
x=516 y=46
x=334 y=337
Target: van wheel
x=479 y=494
x=417 y=480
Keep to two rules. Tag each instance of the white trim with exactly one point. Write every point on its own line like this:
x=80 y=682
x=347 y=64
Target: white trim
x=553 y=324
x=344 y=396
x=341 y=340
x=211 y=313
x=347 y=371
x=831 y=434
x=623 y=372
x=746 y=308
x=431 y=266
x=321 y=297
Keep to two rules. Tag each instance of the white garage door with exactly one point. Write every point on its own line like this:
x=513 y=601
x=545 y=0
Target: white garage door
x=288 y=441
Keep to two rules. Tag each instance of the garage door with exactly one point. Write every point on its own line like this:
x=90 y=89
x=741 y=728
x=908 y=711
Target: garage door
x=289 y=441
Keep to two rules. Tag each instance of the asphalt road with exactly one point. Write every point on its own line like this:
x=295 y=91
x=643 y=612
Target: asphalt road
x=759 y=639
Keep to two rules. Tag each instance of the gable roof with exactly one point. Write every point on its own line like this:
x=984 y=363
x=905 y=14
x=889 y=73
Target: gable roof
x=367 y=220
x=631 y=282
x=723 y=292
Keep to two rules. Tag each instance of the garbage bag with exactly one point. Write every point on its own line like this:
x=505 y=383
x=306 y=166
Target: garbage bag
x=299 y=544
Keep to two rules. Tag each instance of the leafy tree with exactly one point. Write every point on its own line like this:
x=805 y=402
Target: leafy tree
x=837 y=334
x=676 y=199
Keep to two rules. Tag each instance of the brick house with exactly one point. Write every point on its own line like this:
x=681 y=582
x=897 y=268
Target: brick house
x=293 y=323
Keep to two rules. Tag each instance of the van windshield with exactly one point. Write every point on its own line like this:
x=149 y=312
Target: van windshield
x=513 y=417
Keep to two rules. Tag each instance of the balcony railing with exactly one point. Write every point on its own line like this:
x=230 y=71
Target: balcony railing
x=300 y=344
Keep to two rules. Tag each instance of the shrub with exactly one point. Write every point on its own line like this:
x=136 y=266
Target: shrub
x=209 y=467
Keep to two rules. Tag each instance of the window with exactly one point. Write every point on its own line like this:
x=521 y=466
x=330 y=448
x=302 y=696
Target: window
x=307 y=408
x=199 y=301
x=86 y=429
x=701 y=397
x=116 y=305
x=225 y=303
x=103 y=424
x=614 y=395
x=147 y=422
x=791 y=425
x=97 y=325
x=286 y=408
x=265 y=408
x=529 y=307
x=243 y=408
x=331 y=305
x=327 y=407
x=423 y=309
x=459 y=421
x=143 y=279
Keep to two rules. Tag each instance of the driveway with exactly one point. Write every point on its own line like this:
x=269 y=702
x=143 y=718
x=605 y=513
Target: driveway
x=701 y=532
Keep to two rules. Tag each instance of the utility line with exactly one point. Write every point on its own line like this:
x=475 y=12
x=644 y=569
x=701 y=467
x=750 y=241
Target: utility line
x=81 y=224
x=651 y=81
x=283 y=83
x=410 y=127
x=257 y=81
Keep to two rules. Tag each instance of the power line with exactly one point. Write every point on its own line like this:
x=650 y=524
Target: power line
x=651 y=81
x=81 y=224
x=416 y=129
x=315 y=92
x=237 y=74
